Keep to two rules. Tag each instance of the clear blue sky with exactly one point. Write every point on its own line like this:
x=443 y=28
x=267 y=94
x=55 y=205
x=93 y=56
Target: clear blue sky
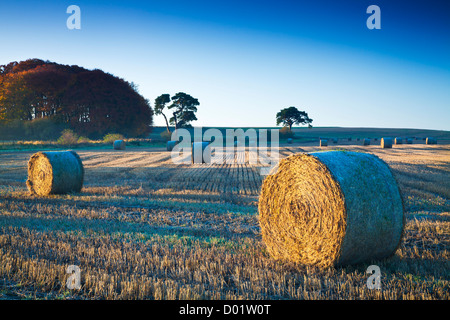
x=245 y=60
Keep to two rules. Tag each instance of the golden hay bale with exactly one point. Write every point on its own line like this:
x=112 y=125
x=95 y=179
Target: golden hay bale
x=119 y=145
x=171 y=145
x=398 y=141
x=201 y=152
x=55 y=172
x=366 y=142
x=430 y=140
x=386 y=142
x=323 y=143
x=316 y=211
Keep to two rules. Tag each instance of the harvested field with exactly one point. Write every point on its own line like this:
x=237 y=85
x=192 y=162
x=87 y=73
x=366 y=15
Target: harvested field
x=146 y=228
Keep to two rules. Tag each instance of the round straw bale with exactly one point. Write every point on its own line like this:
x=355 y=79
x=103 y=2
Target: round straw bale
x=316 y=211
x=409 y=140
x=386 y=142
x=398 y=140
x=171 y=144
x=323 y=142
x=119 y=145
x=366 y=142
x=201 y=152
x=55 y=172
x=289 y=140
x=431 y=140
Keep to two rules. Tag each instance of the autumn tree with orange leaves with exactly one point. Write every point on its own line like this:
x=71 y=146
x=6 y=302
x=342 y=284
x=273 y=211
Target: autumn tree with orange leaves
x=91 y=102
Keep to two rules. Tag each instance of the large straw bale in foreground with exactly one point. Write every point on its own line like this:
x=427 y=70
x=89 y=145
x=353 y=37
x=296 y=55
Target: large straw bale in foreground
x=55 y=172
x=316 y=211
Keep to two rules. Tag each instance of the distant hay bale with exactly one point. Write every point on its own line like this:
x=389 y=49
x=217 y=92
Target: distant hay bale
x=375 y=139
x=323 y=142
x=366 y=142
x=201 y=152
x=386 y=142
x=316 y=211
x=349 y=139
x=398 y=140
x=119 y=145
x=431 y=140
x=171 y=145
x=409 y=140
x=55 y=172
x=289 y=140
x=335 y=140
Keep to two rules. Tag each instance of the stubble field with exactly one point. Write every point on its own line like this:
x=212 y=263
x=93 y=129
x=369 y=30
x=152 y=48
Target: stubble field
x=146 y=228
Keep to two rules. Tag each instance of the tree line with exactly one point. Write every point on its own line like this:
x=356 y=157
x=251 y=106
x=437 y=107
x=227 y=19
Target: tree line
x=91 y=102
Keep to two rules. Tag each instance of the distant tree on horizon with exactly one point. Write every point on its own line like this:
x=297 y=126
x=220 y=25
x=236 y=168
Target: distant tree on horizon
x=185 y=107
x=160 y=104
x=290 y=116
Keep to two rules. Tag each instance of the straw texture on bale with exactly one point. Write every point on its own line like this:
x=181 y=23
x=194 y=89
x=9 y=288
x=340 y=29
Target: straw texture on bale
x=366 y=142
x=430 y=140
x=323 y=142
x=119 y=145
x=386 y=142
x=314 y=210
x=55 y=172
x=201 y=152
x=171 y=145
x=398 y=140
